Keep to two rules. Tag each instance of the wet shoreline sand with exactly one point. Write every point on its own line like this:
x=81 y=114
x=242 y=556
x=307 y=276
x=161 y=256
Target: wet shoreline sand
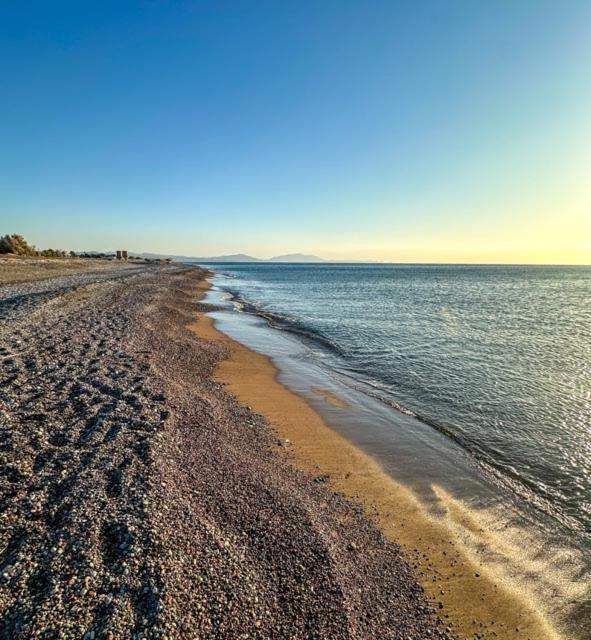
x=475 y=600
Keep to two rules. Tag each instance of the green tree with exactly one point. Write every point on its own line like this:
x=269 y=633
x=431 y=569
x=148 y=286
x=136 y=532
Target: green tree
x=16 y=244
x=52 y=253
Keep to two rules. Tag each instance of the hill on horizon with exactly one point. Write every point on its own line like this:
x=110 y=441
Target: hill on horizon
x=238 y=257
x=296 y=257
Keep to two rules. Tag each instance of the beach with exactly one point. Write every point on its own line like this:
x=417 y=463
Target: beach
x=472 y=597
x=402 y=362
x=16 y=269
x=144 y=496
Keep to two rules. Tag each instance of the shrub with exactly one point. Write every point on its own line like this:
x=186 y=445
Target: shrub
x=52 y=253
x=16 y=244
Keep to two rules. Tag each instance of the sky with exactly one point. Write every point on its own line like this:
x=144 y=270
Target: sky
x=429 y=131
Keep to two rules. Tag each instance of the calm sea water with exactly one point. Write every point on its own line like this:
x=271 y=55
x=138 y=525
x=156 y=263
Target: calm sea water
x=497 y=358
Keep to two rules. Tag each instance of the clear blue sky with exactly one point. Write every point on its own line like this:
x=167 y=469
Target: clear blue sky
x=453 y=131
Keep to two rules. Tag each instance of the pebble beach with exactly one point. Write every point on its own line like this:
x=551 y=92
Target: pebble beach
x=140 y=499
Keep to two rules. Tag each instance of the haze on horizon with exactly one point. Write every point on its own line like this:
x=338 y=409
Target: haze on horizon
x=382 y=130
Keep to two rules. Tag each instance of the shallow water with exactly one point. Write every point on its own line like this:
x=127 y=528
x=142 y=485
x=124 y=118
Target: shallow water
x=473 y=379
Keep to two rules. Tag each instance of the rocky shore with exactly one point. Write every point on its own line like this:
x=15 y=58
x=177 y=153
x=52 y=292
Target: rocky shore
x=139 y=499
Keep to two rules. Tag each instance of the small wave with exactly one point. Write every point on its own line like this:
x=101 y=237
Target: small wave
x=497 y=471
x=288 y=323
x=282 y=321
x=373 y=392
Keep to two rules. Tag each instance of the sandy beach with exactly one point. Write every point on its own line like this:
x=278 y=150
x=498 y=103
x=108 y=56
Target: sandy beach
x=474 y=599
x=141 y=499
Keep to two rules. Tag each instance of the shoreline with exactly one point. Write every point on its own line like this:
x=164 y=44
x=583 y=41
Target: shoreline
x=140 y=499
x=467 y=592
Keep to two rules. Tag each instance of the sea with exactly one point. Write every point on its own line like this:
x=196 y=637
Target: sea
x=474 y=378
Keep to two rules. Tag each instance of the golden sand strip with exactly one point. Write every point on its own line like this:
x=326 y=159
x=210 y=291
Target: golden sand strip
x=472 y=598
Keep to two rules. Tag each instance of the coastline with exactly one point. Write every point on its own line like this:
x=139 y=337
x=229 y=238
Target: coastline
x=469 y=594
x=141 y=500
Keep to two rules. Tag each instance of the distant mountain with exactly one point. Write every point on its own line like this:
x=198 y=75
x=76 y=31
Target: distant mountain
x=296 y=257
x=236 y=257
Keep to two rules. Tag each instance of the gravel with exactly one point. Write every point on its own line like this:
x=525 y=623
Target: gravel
x=138 y=499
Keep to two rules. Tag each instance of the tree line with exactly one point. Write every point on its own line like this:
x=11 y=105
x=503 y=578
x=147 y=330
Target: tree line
x=17 y=245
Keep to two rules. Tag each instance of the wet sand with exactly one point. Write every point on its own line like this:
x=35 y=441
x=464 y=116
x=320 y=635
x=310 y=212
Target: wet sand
x=468 y=594
x=329 y=397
